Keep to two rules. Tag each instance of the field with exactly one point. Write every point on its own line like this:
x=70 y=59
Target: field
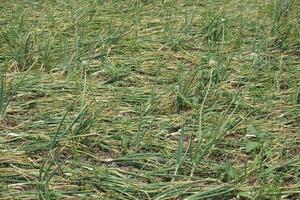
x=150 y=99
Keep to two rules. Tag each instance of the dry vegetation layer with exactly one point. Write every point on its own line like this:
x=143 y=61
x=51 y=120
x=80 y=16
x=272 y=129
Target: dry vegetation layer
x=150 y=99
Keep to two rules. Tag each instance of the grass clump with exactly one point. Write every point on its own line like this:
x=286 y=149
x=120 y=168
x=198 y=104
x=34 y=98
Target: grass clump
x=149 y=99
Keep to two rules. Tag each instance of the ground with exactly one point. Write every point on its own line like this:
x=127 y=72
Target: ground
x=150 y=99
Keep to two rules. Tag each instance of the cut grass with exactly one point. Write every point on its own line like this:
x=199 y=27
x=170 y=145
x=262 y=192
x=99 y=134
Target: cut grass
x=149 y=99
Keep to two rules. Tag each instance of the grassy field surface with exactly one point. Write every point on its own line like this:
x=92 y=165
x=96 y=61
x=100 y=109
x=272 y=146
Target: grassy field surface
x=149 y=99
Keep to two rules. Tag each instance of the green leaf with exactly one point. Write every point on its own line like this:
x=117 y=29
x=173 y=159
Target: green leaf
x=2 y=98
x=244 y=194
x=252 y=130
x=250 y=146
x=262 y=135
